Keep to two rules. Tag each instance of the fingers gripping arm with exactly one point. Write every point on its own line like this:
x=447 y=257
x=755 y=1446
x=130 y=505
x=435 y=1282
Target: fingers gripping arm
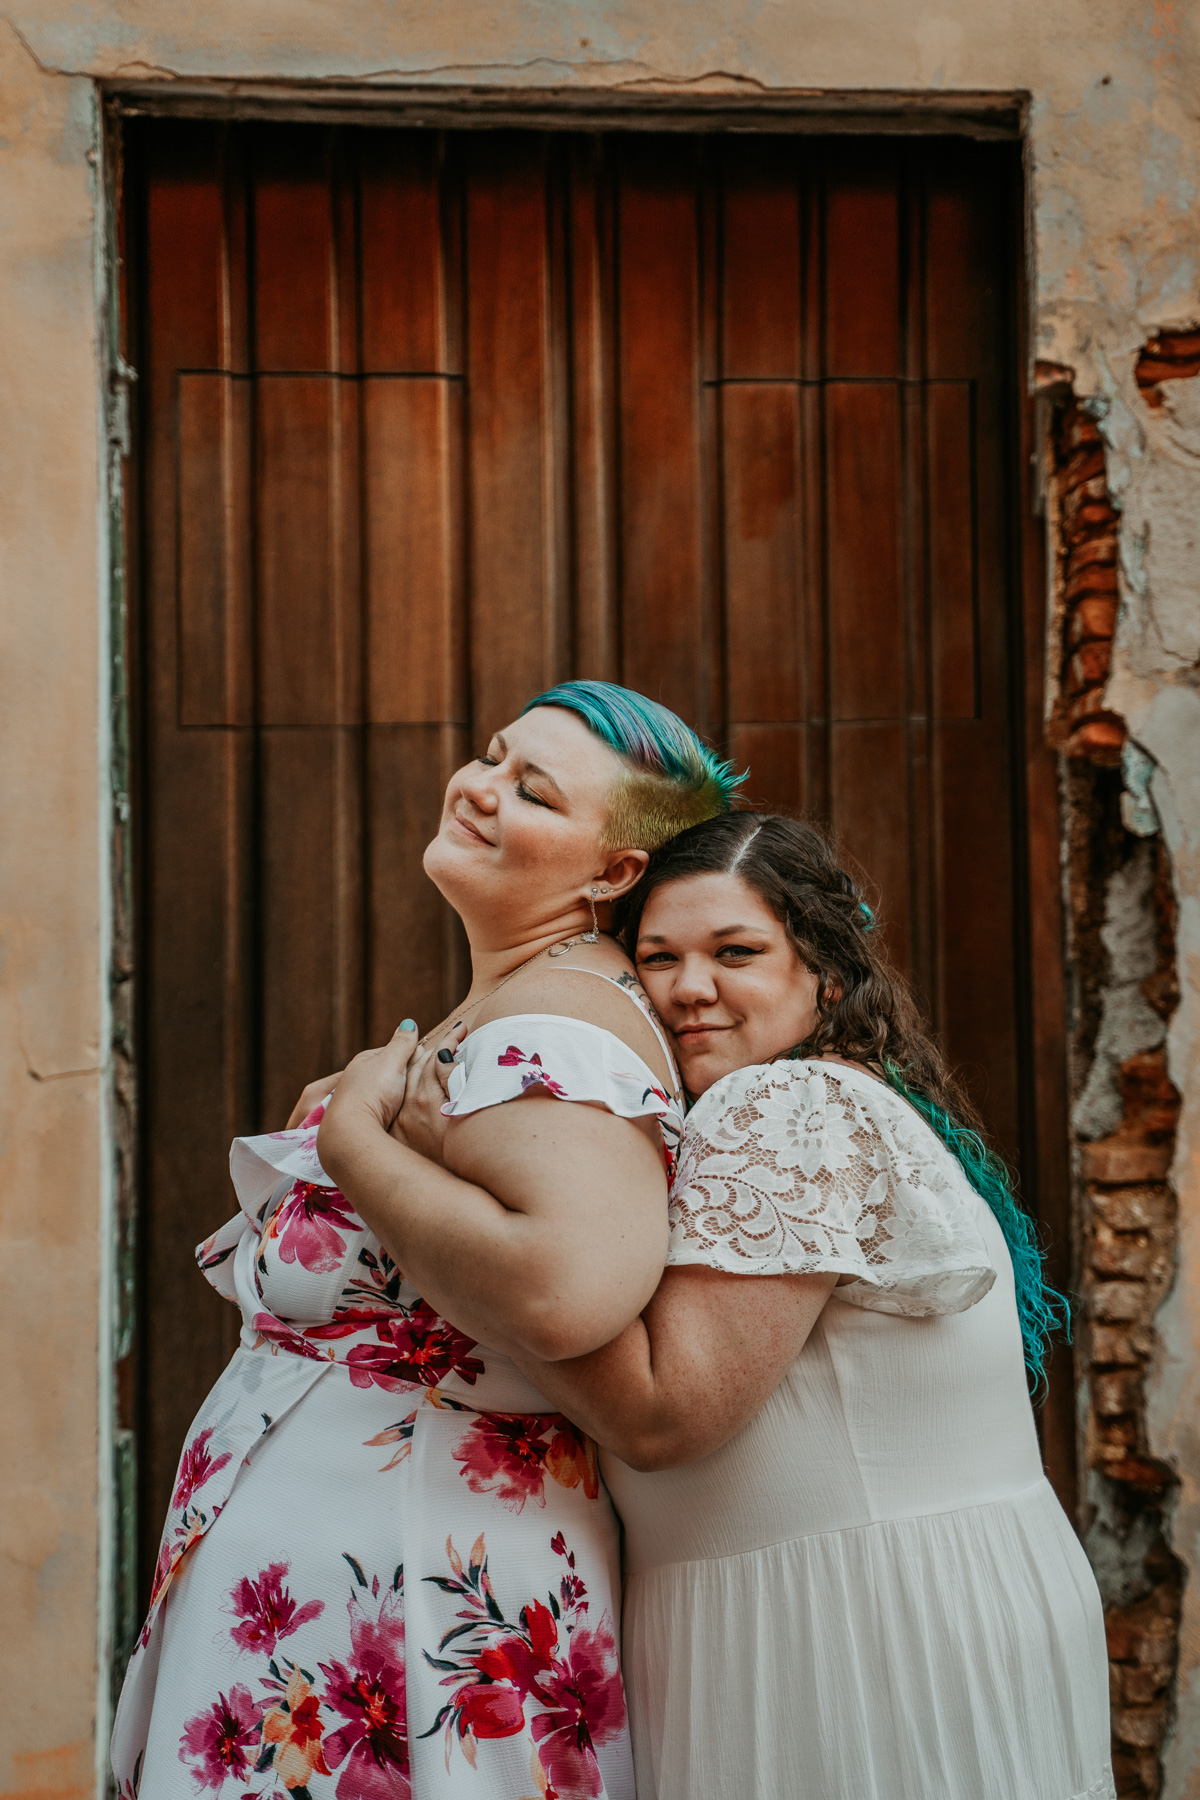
x=544 y=1231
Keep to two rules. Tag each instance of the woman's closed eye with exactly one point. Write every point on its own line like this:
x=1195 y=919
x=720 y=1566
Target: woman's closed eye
x=493 y=762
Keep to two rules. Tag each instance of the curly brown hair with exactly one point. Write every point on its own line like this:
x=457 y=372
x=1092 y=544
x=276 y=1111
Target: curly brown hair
x=865 y=1008
x=865 y=1013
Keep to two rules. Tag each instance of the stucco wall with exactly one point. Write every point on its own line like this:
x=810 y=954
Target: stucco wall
x=1115 y=238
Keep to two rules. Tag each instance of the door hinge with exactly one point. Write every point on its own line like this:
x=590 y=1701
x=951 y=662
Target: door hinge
x=120 y=378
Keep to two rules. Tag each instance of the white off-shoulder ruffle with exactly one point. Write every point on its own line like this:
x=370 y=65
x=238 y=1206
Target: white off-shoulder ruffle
x=569 y=1058
x=802 y=1167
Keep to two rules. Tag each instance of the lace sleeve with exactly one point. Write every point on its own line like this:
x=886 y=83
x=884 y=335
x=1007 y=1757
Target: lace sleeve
x=796 y=1168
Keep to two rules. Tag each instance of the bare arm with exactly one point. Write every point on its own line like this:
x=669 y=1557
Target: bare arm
x=699 y=1363
x=544 y=1233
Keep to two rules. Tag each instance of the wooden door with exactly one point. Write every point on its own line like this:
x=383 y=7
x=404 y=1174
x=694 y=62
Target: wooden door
x=431 y=421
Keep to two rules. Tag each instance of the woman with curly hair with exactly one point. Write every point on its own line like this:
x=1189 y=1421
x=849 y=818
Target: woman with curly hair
x=847 y=1577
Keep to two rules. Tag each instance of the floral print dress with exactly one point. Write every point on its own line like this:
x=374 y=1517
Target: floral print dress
x=390 y=1570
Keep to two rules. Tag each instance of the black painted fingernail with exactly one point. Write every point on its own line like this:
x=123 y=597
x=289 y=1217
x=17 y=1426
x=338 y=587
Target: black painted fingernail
x=445 y=1056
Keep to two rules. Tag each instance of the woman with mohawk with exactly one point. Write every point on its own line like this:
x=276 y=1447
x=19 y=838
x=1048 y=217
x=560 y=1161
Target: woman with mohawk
x=390 y=1568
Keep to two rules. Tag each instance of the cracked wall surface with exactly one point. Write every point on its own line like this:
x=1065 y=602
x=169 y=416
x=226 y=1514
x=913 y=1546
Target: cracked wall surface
x=1114 y=253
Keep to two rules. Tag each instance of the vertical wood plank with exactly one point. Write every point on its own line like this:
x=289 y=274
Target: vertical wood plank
x=295 y=316
x=593 y=428
x=216 y=650
x=869 y=806
x=760 y=264
x=308 y=551
x=866 y=616
x=513 y=559
x=404 y=293
x=862 y=263
x=760 y=479
x=666 y=633
x=952 y=560
x=310 y=945
x=776 y=758
x=418 y=965
x=416 y=670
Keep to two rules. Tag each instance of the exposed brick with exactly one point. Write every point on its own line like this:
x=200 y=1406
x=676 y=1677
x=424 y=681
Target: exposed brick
x=1149 y=1097
x=1088 y=579
x=1122 y=1253
x=1134 y=1208
x=1141 y=1686
x=1121 y=1301
x=1144 y=1727
x=1117 y=1392
x=1086 y=464
x=1098 y=740
x=1113 y=1344
x=1089 y=665
x=1093 y=492
x=1087 y=508
x=1116 y=1440
x=1093 y=576
x=1129 y=1212
x=1099 y=549
x=1126 y=1159
x=1170 y=356
x=1078 y=428
x=1143 y=1473
x=1092 y=618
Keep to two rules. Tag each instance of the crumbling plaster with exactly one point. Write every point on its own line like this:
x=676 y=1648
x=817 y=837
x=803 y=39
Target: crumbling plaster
x=1114 y=162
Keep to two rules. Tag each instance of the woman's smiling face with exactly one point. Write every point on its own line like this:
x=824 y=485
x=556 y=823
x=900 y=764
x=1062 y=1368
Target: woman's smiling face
x=723 y=975
x=522 y=825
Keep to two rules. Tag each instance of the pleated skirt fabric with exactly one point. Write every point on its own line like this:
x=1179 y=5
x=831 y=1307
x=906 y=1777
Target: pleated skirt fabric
x=954 y=1656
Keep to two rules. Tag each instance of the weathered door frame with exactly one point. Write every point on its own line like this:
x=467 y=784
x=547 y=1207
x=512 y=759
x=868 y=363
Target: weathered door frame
x=986 y=116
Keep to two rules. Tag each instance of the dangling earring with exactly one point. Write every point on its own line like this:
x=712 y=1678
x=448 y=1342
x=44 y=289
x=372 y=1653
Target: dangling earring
x=592 y=936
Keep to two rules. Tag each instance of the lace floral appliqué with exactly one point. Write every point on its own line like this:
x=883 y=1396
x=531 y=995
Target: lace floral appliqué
x=794 y=1168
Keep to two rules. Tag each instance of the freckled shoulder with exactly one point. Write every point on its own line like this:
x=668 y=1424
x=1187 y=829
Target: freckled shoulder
x=575 y=994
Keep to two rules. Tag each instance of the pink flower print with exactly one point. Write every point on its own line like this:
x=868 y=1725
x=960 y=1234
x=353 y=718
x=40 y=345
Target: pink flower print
x=196 y=1467
x=222 y=1741
x=549 y=1671
x=511 y=1454
x=291 y=1731
x=415 y=1349
x=504 y=1455
x=284 y=1337
x=585 y=1705
x=369 y=1695
x=266 y=1611
x=304 y=1224
x=535 y=1075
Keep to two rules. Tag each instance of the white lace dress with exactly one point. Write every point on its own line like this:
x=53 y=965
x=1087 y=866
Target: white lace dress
x=871 y=1593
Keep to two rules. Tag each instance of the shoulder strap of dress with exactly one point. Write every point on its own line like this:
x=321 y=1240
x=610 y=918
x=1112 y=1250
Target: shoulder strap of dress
x=644 y=1008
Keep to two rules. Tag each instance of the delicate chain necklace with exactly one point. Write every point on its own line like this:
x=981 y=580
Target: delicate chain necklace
x=559 y=949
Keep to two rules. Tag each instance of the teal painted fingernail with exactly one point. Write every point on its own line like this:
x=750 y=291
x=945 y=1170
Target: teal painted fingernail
x=408 y=1024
